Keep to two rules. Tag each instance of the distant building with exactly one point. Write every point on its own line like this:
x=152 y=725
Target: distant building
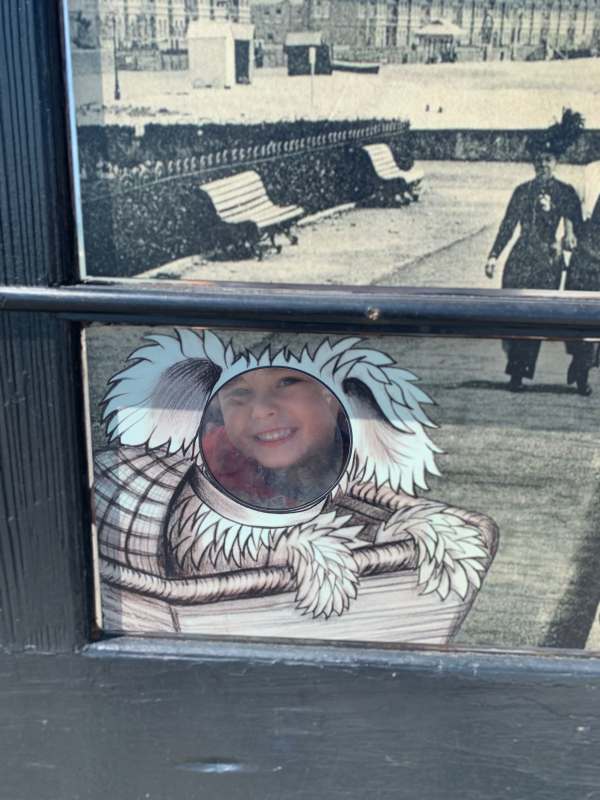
x=220 y=43
x=132 y=24
x=439 y=40
x=274 y=19
x=389 y=29
x=306 y=52
x=232 y=10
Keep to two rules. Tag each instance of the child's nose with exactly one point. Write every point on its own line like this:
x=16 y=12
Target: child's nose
x=264 y=407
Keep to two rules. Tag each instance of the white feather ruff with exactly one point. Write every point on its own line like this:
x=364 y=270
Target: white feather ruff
x=451 y=555
x=323 y=565
x=390 y=444
x=318 y=551
x=204 y=535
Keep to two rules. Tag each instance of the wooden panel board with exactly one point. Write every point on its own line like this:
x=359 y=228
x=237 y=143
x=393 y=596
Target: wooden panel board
x=157 y=729
x=44 y=532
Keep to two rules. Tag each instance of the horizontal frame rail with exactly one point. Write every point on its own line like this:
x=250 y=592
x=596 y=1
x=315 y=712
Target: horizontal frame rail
x=318 y=308
x=441 y=660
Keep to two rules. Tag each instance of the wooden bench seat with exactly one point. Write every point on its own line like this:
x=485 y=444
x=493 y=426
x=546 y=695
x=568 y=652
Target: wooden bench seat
x=242 y=200
x=405 y=183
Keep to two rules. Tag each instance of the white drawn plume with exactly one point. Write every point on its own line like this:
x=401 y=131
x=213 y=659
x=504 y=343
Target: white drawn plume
x=322 y=562
x=451 y=554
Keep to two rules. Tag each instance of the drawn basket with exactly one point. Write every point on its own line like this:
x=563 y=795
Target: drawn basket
x=390 y=606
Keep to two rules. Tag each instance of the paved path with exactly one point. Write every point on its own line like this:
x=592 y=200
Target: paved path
x=442 y=240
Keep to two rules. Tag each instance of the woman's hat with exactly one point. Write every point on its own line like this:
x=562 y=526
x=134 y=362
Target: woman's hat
x=558 y=137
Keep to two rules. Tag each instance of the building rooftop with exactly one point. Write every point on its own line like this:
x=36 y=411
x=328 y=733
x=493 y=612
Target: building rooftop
x=441 y=27
x=304 y=39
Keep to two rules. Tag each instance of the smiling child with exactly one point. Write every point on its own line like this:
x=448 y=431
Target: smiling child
x=277 y=439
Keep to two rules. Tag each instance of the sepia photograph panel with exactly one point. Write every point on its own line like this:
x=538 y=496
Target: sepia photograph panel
x=377 y=489
x=361 y=142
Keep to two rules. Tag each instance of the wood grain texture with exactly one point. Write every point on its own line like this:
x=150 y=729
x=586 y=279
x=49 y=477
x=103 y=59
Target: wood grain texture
x=43 y=528
x=74 y=727
x=43 y=518
x=36 y=231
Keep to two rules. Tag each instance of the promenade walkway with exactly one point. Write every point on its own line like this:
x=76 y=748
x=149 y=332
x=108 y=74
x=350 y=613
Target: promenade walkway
x=443 y=240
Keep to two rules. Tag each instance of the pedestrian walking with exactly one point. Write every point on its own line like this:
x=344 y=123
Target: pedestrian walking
x=584 y=276
x=538 y=207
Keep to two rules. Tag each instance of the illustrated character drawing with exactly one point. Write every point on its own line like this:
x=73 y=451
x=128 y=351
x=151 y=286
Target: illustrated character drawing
x=235 y=479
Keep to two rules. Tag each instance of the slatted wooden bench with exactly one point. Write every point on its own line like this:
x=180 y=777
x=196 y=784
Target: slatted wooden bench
x=399 y=184
x=248 y=214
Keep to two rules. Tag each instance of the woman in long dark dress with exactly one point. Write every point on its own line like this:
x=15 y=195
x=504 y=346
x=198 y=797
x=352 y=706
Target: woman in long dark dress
x=584 y=276
x=535 y=261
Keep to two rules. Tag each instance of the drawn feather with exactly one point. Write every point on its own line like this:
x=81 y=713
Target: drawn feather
x=451 y=555
x=158 y=400
x=325 y=570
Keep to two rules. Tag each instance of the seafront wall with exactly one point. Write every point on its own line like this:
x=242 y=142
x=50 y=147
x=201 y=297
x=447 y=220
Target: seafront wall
x=492 y=145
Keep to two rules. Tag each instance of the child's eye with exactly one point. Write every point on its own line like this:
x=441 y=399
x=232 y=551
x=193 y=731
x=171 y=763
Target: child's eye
x=290 y=381
x=238 y=398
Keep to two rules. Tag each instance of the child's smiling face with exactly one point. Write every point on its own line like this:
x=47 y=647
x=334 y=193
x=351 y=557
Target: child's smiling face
x=279 y=417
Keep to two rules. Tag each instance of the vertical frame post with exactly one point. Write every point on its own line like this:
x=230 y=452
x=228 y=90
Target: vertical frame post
x=44 y=589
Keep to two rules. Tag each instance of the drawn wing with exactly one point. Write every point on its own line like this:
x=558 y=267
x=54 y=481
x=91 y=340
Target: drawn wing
x=390 y=442
x=159 y=398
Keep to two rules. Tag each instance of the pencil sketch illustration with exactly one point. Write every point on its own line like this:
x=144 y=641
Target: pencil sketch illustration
x=277 y=494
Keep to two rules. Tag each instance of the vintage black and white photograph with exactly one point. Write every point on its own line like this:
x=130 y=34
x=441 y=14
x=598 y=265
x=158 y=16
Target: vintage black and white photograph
x=451 y=143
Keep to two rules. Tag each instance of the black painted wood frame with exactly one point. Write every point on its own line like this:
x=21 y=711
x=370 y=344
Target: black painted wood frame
x=135 y=718
x=44 y=584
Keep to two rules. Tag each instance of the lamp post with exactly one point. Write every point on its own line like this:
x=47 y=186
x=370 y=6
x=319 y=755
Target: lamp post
x=312 y=61
x=117 y=86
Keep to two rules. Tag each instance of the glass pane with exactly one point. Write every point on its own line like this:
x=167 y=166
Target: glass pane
x=226 y=141
x=275 y=438
x=403 y=489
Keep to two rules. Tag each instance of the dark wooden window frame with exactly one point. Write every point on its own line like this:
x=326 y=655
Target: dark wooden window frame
x=159 y=718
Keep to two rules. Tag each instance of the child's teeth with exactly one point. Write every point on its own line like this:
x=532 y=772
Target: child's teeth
x=274 y=435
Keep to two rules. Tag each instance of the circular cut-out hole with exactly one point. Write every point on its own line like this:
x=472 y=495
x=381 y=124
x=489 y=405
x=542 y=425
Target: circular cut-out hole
x=275 y=439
